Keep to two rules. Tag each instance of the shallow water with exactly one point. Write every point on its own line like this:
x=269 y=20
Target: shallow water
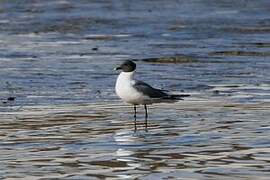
x=60 y=117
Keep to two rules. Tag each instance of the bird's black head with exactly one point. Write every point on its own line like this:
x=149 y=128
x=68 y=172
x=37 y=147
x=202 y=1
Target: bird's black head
x=127 y=66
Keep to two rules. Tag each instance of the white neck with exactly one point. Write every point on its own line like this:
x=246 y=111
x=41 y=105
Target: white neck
x=124 y=86
x=126 y=76
x=124 y=79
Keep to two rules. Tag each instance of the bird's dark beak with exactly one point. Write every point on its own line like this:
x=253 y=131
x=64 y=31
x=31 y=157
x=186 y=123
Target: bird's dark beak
x=117 y=68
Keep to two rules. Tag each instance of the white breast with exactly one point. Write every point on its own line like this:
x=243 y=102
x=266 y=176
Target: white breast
x=125 y=90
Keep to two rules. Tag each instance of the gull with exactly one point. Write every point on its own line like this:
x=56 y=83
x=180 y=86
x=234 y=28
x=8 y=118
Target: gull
x=137 y=92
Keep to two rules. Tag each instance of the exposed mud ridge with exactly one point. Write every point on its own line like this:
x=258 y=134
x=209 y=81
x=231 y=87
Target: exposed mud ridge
x=74 y=25
x=247 y=30
x=256 y=44
x=239 y=53
x=172 y=59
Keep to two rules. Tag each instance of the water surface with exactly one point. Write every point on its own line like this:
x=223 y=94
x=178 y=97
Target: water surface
x=60 y=117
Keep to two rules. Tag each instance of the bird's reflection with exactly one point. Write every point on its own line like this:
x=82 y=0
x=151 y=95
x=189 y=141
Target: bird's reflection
x=127 y=140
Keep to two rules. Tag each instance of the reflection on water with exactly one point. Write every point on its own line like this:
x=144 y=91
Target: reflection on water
x=197 y=139
x=60 y=118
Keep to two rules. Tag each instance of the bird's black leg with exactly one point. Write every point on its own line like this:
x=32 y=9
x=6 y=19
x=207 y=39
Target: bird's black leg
x=146 y=116
x=135 y=122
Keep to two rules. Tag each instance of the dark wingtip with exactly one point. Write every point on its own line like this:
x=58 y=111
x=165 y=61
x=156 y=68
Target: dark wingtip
x=179 y=97
x=184 y=95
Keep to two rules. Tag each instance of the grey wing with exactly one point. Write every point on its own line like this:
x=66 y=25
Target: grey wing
x=148 y=90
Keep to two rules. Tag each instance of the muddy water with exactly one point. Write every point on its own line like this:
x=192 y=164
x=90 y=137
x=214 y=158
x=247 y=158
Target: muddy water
x=60 y=118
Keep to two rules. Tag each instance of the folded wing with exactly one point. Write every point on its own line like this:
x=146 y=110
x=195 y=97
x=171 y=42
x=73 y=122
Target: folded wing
x=151 y=92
